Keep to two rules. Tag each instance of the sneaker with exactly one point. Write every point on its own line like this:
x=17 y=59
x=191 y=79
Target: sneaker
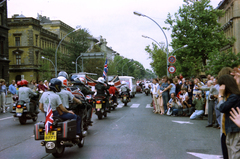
x=4 y=112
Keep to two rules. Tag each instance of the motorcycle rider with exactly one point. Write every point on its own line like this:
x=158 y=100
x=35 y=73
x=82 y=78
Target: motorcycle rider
x=80 y=82
x=124 y=88
x=113 y=90
x=24 y=93
x=57 y=108
x=102 y=90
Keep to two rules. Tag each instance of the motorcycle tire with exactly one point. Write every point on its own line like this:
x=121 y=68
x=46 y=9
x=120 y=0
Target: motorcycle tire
x=23 y=119
x=146 y=94
x=99 y=116
x=35 y=118
x=105 y=114
x=59 y=151
x=81 y=143
x=125 y=104
x=114 y=107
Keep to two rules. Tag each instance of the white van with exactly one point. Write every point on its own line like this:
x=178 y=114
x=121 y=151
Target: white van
x=131 y=82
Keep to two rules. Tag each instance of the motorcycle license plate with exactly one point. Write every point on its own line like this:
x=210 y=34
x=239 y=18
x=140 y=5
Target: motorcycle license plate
x=124 y=98
x=51 y=136
x=19 y=110
x=19 y=114
x=98 y=106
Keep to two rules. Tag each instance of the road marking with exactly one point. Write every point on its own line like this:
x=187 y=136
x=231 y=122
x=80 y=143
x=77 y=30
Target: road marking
x=205 y=156
x=6 y=118
x=120 y=105
x=182 y=122
x=135 y=106
x=148 y=106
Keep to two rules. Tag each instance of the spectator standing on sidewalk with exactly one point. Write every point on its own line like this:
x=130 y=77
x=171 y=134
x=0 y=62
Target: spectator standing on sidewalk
x=155 y=95
x=41 y=87
x=3 y=95
x=217 y=112
x=229 y=88
x=12 y=88
x=212 y=96
x=160 y=99
x=165 y=95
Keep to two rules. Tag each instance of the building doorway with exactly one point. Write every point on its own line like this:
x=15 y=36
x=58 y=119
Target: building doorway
x=18 y=78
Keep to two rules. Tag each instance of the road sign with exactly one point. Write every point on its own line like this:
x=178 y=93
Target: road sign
x=171 y=59
x=92 y=55
x=171 y=69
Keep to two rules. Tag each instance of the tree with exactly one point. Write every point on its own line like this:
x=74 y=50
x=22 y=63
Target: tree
x=195 y=24
x=159 y=58
x=222 y=59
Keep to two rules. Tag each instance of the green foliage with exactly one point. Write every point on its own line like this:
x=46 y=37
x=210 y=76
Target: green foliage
x=159 y=58
x=195 y=24
x=222 y=59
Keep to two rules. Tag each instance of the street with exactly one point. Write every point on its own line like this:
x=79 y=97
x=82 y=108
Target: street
x=128 y=132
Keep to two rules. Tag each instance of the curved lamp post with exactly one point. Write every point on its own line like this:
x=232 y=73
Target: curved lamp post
x=48 y=60
x=119 y=61
x=77 y=64
x=58 y=47
x=129 y=67
x=139 y=14
x=152 y=40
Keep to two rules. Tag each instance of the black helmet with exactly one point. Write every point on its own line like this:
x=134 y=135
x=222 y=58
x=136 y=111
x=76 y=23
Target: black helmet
x=63 y=73
x=55 y=85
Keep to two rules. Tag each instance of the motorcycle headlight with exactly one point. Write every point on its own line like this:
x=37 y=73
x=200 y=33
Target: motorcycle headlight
x=50 y=145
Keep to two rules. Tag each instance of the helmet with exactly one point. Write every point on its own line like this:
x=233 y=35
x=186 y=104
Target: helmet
x=63 y=73
x=55 y=85
x=123 y=82
x=101 y=80
x=63 y=80
x=24 y=82
x=19 y=83
x=111 y=83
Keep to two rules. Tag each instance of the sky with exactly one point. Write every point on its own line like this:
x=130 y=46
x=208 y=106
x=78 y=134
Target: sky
x=112 y=19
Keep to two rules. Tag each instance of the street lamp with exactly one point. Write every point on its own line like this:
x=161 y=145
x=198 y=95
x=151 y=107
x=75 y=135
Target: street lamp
x=119 y=61
x=125 y=64
x=180 y=48
x=48 y=60
x=77 y=64
x=140 y=14
x=98 y=68
x=58 y=47
x=152 y=40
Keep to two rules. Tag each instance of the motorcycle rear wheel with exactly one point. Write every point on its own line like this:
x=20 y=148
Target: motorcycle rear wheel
x=59 y=151
x=105 y=114
x=125 y=104
x=99 y=116
x=23 y=119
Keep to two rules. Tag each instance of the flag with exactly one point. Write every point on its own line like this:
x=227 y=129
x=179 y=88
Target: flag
x=49 y=118
x=90 y=81
x=105 y=70
x=116 y=81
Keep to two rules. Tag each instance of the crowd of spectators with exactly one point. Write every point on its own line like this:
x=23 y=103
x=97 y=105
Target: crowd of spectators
x=188 y=97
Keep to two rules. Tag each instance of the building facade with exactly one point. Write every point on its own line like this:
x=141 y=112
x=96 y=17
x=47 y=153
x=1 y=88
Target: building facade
x=28 y=37
x=4 y=61
x=231 y=22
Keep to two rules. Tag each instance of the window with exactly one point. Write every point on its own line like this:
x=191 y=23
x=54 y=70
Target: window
x=0 y=18
x=1 y=47
x=37 y=57
x=17 y=41
x=18 y=59
x=36 y=36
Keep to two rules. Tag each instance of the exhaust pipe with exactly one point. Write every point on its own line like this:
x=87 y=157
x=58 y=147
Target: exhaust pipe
x=66 y=143
x=42 y=143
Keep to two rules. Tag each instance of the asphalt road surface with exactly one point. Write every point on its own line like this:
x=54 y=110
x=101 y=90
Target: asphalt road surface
x=131 y=132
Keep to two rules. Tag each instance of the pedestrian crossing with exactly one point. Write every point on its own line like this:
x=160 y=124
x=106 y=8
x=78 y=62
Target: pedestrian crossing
x=121 y=105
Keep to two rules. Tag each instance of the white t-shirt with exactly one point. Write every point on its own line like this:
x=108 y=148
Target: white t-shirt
x=53 y=97
x=24 y=93
x=184 y=96
x=154 y=88
x=65 y=97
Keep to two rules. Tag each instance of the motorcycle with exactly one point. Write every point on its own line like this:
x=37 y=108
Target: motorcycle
x=21 y=110
x=62 y=134
x=125 y=98
x=113 y=102
x=100 y=106
x=147 y=91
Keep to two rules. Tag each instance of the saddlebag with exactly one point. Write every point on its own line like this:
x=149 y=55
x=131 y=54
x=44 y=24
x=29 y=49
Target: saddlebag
x=69 y=129
x=39 y=135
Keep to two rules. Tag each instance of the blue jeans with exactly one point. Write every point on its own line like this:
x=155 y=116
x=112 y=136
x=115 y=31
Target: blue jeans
x=65 y=116
x=196 y=114
x=165 y=100
x=218 y=115
x=175 y=111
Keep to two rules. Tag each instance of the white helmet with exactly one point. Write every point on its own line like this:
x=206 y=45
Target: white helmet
x=63 y=80
x=123 y=82
x=101 y=80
